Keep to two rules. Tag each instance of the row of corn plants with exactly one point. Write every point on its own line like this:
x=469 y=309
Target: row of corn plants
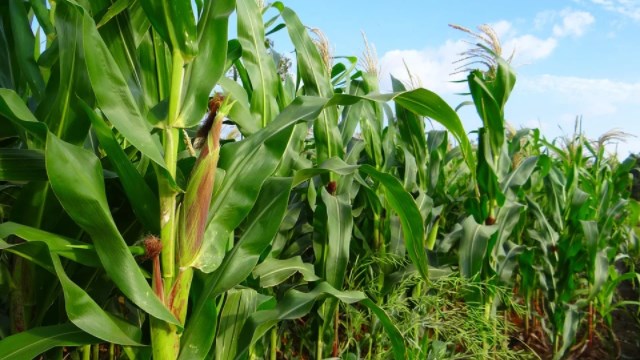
x=170 y=193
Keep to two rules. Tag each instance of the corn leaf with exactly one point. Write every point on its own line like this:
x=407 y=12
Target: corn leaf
x=83 y=311
x=76 y=178
x=25 y=44
x=175 y=22
x=317 y=81
x=237 y=264
x=59 y=108
x=22 y=165
x=272 y=272
x=412 y=225
x=113 y=95
x=473 y=246
x=295 y=304
x=71 y=249
x=205 y=70
x=238 y=306
x=258 y=62
x=143 y=201
x=31 y=343
x=13 y=108
x=247 y=164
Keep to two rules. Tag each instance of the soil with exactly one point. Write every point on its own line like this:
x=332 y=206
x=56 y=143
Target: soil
x=626 y=326
x=620 y=342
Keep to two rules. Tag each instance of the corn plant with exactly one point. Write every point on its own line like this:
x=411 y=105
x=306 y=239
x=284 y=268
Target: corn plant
x=99 y=148
x=168 y=192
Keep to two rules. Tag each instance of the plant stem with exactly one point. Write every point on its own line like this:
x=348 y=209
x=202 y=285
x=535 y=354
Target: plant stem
x=164 y=337
x=591 y=324
x=167 y=193
x=417 y=294
x=86 y=352
x=487 y=316
x=273 y=348
x=335 y=332
x=96 y=351
x=527 y=316
x=19 y=314
x=320 y=343
x=168 y=208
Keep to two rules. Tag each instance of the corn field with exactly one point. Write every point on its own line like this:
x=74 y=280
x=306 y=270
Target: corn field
x=170 y=192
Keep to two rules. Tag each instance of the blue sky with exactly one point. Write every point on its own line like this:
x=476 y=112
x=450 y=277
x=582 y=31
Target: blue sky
x=573 y=57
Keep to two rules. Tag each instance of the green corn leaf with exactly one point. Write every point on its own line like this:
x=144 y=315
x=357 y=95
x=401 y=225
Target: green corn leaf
x=41 y=12
x=334 y=165
x=154 y=76
x=237 y=264
x=569 y=330
x=175 y=22
x=234 y=52
x=240 y=114
x=520 y=175
x=113 y=95
x=473 y=246
x=238 y=306
x=248 y=163
x=412 y=225
x=295 y=304
x=351 y=114
x=488 y=108
x=247 y=166
x=22 y=165
x=600 y=266
x=76 y=178
x=591 y=236
x=426 y=103
x=506 y=220
x=206 y=69
x=311 y=67
x=83 y=311
x=24 y=41
x=69 y=248
x=504 y=82
x=143 y=201
x=31 y=343
x=411 y=128
x=36 y=253
x=506 y=267
x=13 y=108
x=317 y=82
x=437 y=143
x=120 y=35
x=258 y=62
x=333 y=222
x=116 y=8
x=272 y=272
x=59 y=108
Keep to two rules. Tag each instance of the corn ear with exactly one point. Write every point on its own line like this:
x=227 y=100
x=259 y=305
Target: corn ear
x=197 y=197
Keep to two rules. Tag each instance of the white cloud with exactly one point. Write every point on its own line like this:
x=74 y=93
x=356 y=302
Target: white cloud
x=597 y=96
x=544 y=18
x=529 y=48
x=603 y=104
x=628 y=8
x=574 y=23
x=431 y=66
x=503 y=29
